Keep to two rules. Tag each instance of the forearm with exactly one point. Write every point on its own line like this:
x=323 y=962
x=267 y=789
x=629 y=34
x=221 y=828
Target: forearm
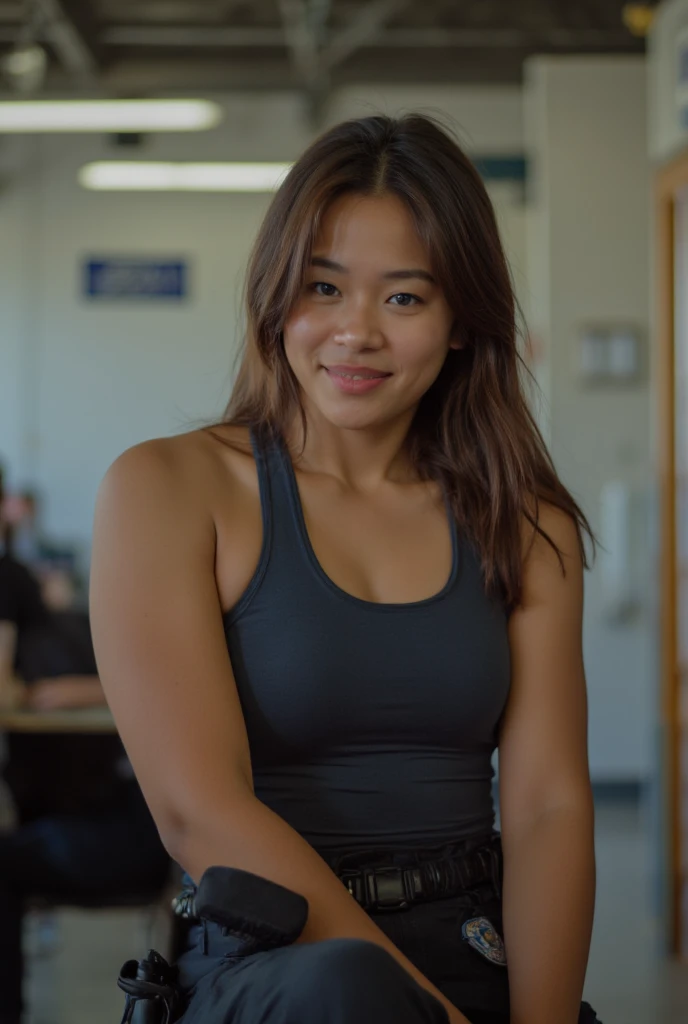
x=87 y=691
x=250 y=836
x=13 y=692
x=549 y=895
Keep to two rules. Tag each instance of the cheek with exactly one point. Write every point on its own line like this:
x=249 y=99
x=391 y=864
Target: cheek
x=303 y=331
x=423 y=352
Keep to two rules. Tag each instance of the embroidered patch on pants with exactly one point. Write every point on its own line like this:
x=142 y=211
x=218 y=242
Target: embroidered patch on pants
x=481 y=934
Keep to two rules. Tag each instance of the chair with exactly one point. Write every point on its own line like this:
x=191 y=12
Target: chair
x=153 y=902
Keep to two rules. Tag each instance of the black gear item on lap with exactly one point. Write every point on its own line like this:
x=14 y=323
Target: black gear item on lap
x=264 y=913
x=260 y=913
x=152 y=995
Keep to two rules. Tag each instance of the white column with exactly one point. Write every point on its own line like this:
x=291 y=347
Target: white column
x=588 y=263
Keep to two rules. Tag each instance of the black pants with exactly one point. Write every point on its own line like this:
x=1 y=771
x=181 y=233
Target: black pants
x=106 y=854
x=347 y=981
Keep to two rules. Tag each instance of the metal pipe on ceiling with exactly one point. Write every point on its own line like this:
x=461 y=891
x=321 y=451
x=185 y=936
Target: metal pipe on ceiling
x=190 y=36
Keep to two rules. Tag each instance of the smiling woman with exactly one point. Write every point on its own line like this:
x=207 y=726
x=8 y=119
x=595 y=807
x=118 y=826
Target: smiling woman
x=407 y=335
x=378 y=203
x=317 y=620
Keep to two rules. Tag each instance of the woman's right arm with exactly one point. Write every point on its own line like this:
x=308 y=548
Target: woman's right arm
x=163 y=662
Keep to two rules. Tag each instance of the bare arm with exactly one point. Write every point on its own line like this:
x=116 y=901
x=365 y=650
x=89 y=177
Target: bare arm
x=65 y=692
x=12 y=690
x=546 y=800
x=8 y=645
x=164 y=666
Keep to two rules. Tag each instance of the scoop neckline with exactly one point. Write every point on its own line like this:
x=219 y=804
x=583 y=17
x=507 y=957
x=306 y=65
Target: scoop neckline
x=384 y=606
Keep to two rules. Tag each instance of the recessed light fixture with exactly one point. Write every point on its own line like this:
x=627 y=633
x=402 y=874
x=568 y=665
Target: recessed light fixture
x=28 y=116
x=144 y=176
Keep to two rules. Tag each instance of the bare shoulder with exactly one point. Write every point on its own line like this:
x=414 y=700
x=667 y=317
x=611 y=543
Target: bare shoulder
x=552 y=556
x=195 y=497
x=185 y=472
x=559 y=526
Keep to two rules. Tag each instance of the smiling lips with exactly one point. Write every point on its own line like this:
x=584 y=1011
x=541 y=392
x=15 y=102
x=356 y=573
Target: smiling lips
x=356 y=372
x=356 y=379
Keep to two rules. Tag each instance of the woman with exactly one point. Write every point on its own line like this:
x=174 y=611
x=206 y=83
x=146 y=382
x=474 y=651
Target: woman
x=378 y=539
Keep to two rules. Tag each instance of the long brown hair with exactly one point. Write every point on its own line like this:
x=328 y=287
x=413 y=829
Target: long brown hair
x=473 y=431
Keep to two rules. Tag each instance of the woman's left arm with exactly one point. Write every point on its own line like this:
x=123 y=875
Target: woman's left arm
x=546 y=806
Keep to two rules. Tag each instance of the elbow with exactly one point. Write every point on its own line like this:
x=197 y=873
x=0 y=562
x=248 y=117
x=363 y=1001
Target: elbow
x=203 y=833
x=573 y=809
x=174 y=830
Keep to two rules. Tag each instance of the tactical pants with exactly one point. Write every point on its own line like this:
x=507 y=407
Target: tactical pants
x=348 y=981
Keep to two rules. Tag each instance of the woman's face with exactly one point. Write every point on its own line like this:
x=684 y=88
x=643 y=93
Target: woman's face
x=371 y=328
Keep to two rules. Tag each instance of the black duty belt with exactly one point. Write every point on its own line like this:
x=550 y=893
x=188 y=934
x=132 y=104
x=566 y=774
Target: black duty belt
x=398 y=888
x=390 y=887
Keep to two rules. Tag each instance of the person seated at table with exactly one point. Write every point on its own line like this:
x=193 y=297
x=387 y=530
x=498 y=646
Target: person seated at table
x=23 y=535
x=83 y=831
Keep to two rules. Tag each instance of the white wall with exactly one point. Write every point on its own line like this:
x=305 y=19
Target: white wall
x=81 y=381
x=588 y=261
x=667 y=131
x=16 y=252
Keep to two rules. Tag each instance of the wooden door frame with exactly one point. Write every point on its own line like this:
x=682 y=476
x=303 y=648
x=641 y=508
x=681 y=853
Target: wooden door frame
x=668 y=181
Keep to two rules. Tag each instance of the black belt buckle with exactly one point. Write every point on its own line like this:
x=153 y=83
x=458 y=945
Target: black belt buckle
x=378 y=888
x=386 y=888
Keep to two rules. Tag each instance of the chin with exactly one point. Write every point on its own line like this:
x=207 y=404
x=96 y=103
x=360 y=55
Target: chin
x=344 y=420
x=354 y=418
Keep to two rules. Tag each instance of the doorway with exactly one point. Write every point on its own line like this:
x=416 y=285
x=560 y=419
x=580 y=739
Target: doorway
x=672 y=371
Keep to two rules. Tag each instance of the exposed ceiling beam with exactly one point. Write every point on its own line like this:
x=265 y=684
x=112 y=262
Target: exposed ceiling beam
x=305 y=29
x=190 y=37
x=56 y=23
x=12 y=13
x=170 y=12
x=225 y=7
x=301 y=39
x=142 y=75
x=361 y=30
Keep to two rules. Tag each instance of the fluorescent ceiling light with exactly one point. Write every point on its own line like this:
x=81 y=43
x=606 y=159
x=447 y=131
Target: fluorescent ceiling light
x=108 y=115
x=143 y=176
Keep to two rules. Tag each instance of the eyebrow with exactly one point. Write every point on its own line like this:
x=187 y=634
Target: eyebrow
x=390 y=275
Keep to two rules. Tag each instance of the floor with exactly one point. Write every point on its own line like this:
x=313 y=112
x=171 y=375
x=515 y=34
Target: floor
x=76 y=957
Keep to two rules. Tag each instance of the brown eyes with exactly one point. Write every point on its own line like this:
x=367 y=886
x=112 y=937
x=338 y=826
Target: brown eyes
x=328 y=291
x=323 y=288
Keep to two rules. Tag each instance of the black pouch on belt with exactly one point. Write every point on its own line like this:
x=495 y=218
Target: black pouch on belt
x=261 y=913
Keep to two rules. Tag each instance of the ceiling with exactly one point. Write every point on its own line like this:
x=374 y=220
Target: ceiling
x=135 y=47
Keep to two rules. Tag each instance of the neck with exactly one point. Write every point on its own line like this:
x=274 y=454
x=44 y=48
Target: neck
x=360 y=459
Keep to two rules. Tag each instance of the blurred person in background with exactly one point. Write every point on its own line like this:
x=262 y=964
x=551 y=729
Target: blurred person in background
x=52 y=563
x=83 y=830
x=316 y=621
x=21 y=515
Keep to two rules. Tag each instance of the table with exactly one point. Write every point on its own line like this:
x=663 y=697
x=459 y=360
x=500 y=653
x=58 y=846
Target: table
x=84 y=720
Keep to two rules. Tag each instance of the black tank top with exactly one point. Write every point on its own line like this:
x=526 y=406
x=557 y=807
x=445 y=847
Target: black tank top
x=370 y=725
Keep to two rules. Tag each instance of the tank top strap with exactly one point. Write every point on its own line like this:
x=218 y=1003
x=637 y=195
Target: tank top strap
x=287 y=547
x=283 y=539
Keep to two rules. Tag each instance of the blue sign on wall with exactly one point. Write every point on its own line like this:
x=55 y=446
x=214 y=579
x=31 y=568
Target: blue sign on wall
x=135 y=278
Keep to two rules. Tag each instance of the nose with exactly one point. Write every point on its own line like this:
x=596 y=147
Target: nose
x=358 y=328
